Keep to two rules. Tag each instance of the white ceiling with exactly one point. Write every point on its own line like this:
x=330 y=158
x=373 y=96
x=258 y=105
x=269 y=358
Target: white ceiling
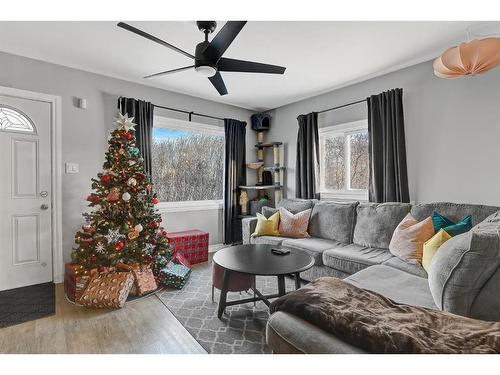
x=319 y=56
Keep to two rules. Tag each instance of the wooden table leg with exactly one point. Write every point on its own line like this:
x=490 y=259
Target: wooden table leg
x=297 y=280
x=281 y=285
x=223 y=293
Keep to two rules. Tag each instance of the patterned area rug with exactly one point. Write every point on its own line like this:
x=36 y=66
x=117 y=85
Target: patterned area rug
x=28 y=303
x=241 y=330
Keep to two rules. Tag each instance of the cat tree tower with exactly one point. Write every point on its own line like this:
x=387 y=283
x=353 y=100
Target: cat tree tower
x=269 y=178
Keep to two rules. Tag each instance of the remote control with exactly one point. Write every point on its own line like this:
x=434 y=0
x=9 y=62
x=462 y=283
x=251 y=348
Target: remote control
x=280 y=251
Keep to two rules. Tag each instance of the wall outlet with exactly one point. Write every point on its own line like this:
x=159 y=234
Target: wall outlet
x=71 y=168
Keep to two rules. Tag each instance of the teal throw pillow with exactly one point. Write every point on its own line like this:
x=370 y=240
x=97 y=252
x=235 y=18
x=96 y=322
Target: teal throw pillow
x=463 y=226
x=440 y=222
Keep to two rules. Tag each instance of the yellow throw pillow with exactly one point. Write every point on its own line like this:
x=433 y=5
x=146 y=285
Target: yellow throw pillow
x=267 y=227
x=432 y=246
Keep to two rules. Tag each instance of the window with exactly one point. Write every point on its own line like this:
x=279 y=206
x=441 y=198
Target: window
x=187 y=163
x=12 y=119
x=344 y=160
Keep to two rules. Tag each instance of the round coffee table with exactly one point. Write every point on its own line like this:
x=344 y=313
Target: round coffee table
x=258 y=260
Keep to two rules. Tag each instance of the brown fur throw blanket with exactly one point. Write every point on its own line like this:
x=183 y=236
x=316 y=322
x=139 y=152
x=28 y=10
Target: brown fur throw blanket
x=377 y=324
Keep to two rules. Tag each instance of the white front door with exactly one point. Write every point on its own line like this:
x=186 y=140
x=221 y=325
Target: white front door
x=25 y=192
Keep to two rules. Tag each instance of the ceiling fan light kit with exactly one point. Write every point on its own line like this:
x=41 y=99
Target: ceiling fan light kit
x=208 y=60
x=475 y=57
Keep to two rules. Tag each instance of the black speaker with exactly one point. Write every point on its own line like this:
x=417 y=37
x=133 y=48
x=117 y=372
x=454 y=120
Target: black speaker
x=261 y=121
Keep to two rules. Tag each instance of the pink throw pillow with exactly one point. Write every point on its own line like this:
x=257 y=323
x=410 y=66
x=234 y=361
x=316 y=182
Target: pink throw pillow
x=294 y=226
x=408 y=239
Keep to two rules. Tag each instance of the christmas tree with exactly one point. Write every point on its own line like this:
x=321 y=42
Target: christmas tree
x=124 y=225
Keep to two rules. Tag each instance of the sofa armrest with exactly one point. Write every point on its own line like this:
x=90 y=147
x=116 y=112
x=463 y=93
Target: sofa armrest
x=248 y=227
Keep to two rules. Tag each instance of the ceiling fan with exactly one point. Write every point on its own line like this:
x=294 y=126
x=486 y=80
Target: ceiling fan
x=208 y=60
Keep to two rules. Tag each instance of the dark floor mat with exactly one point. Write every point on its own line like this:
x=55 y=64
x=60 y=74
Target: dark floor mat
x=28 y=303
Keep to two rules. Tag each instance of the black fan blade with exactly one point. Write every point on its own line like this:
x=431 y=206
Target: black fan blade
x=225 y=37
x=218 y=83
x=153 y=38
x=169 y=72
x=233 y=65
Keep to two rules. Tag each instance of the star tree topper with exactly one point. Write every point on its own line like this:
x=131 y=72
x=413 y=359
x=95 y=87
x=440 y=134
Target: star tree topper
x=125 y=122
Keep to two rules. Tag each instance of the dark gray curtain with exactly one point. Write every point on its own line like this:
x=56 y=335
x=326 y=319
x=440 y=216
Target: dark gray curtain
x=142 y=112
x=307 y=162
x=387 y=151
x=234 y=176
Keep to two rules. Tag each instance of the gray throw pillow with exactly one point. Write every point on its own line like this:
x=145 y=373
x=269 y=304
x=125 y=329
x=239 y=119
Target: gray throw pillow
x=333 y=221
x=465 y=269
x=376 y=222
x=292 y=205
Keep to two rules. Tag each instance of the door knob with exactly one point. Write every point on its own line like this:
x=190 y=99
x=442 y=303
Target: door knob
x=44 y=194
x=44 y=206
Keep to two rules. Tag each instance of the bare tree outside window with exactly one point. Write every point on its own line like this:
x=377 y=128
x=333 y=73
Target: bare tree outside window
x=187 y=166
x=359 y=160
x=344 y=158
x=334 y=159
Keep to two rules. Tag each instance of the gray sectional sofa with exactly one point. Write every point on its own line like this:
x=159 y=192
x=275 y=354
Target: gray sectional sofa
x=351 y=241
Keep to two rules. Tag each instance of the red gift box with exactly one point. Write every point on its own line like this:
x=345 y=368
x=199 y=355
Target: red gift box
x=191 y=244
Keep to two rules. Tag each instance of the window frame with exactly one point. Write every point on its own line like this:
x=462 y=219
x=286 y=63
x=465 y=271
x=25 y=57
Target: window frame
x=341 y=130
x=182 y=125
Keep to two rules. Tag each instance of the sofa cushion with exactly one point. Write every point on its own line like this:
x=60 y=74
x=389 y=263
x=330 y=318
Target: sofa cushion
x=454 y=211
x=267 y=240
x=395 y=284
x=432 y=246
x=353 y=258
x=294 y=225
x=267 y=226
x=314 y=246
x=292 y=205
x=466 y=265
x=287 y=334
x=333 y=221
x=409 y=237
x=414 y=269
x=315 y=272
x=376 y=222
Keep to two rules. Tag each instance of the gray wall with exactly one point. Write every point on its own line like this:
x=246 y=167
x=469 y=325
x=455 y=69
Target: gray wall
x=452 y=131
x=85 y=131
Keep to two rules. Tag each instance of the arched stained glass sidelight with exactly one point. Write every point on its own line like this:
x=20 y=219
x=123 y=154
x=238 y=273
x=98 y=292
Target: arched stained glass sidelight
x=12 y=119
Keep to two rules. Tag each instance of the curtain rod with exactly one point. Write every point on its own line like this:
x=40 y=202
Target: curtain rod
x=190 y=113
x=342 y=106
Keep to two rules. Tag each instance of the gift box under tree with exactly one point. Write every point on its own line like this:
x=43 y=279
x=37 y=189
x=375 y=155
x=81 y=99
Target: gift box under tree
x=191 y=244
x=174 y=275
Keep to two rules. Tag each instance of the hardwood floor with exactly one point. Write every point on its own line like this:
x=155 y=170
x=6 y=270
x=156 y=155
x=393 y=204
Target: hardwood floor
x=142 y=326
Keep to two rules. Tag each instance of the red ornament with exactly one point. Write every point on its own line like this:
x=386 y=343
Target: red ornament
x=155 y=201
x=133 y=190
x=93 y=198
x=101 y=269
x=105 y=178
x=148 y=258
x=141 y=176
x=164 y=233
x=128 y=136
x=113 y=195
x=119 y=245
x=153 y=242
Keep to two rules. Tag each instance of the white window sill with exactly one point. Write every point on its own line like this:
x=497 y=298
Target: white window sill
x=346 y=195
x=189 y=206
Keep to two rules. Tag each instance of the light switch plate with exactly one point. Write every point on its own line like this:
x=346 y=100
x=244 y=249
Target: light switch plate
x=71 y=168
